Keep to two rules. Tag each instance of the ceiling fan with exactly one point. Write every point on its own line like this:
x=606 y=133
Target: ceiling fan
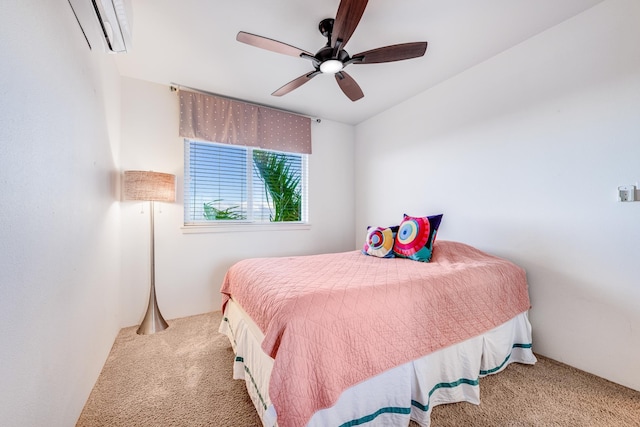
x=332 y=58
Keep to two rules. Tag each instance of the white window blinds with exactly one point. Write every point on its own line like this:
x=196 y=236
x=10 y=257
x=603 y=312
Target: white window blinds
x=227 y=183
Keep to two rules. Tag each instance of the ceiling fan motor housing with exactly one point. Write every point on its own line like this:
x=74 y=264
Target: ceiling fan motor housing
x=326 y=28
x=326 y=54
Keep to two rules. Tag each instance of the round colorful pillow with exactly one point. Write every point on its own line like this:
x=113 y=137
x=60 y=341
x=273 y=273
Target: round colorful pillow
x=379 y=242
x=412 y=236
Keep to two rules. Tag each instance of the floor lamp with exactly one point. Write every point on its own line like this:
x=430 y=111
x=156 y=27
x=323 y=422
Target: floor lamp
x=152 y=187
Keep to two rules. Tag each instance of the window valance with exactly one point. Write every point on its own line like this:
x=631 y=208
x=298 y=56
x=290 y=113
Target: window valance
x=217 y=119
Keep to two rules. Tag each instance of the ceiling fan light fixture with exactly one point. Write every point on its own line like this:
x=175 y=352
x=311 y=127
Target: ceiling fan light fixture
x=331 y=66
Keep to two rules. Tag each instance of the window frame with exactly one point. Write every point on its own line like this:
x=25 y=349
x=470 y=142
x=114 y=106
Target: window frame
x=212 y=226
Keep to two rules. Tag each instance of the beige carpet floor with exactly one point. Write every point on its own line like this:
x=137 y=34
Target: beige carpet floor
x=182 y=377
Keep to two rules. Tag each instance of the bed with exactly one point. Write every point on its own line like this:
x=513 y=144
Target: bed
x=348 y=339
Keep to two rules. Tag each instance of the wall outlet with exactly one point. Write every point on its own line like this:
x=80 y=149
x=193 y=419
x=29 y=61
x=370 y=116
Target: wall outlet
x=627 y=193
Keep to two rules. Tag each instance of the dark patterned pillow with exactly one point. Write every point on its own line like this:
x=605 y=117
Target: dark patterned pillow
x=416 y=236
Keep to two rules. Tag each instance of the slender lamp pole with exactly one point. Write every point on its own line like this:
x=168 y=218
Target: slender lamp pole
x=153 y=320
x=151 y=186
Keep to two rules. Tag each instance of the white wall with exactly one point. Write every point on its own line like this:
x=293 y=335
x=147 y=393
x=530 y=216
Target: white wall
x=59 y=219
x=523 y=154
x=190 y=267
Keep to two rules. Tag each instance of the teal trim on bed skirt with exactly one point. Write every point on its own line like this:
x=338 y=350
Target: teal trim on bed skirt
x=453 y=384
x=425 y=408
x=528 y=345
x=255 y=386
x=371 y=417
x=506 y=359
x=405 y=411
x=233 y=334
x=240 y=359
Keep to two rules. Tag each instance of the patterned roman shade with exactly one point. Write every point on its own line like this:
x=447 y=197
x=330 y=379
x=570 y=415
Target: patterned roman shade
x=216 y=119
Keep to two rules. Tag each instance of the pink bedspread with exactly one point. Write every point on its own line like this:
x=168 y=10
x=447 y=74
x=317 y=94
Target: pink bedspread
x=333 y=320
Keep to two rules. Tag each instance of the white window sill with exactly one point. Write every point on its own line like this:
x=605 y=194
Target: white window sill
x=235 y=227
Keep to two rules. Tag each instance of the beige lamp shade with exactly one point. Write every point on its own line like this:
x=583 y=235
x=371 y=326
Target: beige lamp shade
x=147 y=185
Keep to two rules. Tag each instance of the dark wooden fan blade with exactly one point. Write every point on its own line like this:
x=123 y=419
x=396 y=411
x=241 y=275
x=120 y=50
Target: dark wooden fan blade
x=270 y=44
x=396 y=52
x=349 y=86
x=347 y=19
x=295 y=83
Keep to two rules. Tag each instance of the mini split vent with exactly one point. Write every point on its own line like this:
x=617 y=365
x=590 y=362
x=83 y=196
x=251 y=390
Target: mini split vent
x=106 y=24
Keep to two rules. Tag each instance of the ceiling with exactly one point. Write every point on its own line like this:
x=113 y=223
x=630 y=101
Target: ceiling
x=192 y=43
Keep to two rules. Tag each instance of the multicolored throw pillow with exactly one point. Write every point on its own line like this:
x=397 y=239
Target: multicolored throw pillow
x=380 y=241
x=416 y=236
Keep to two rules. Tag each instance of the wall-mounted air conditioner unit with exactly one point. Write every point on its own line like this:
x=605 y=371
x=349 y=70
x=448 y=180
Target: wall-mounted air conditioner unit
x=106 y=24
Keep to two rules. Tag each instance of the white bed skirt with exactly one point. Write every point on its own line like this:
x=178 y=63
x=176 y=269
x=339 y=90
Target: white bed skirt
x=408 y=391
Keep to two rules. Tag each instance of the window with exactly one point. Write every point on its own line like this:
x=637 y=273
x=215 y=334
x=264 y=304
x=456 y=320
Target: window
x=235 y=184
